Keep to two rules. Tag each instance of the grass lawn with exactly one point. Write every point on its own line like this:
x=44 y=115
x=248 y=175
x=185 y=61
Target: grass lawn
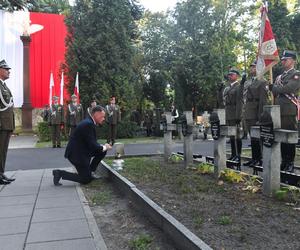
x=125 y=141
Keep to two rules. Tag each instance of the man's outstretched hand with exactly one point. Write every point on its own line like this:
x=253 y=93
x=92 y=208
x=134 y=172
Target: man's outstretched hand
x=108 y=146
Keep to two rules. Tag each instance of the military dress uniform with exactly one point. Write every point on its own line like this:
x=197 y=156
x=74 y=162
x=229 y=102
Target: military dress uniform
x=56 y=120
x=233 y=109
x=7 y=123
x=285 y=90
x=75 y=115
x=255 y=97
x=113 y=117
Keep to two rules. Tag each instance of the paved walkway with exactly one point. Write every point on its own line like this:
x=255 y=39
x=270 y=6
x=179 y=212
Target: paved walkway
x=36 y=215
x=23 y=141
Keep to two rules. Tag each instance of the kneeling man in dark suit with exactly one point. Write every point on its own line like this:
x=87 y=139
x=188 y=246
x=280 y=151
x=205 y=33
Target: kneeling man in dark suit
x=82 y=147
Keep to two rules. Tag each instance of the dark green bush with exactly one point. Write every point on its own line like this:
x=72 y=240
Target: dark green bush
x=125 y=129
x=43 y=131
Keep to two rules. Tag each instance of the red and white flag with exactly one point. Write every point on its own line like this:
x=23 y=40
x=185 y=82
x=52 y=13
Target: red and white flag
x=76 y=89
x=51 y=85
x=62 y=89
x=267 y=55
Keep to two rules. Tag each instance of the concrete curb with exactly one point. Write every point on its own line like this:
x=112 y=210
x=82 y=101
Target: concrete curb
x=178 y=233
x=98 y=239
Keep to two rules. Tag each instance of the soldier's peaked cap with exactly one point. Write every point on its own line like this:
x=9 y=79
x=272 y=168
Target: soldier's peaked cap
x=73 y=96
x=55 y=97
x=233 y=71
x=4 y=65
x=289 y=54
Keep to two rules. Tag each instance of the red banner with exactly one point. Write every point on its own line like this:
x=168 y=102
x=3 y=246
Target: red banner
x=47 y=51
x=267 y=49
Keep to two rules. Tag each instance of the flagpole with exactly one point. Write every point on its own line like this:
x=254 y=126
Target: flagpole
x=271 y=82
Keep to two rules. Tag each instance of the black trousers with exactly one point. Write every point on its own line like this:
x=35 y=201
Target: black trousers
x=4 y=141
x=83 y=174
x=288 y=151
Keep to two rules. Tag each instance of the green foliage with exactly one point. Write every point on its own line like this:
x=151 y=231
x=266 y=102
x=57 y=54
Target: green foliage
x=205 y=168
x=142 y=242
x=43 y=131
x=101 y=198
x=125 y=129
x=205 y=42
x=176 y=158
x=232 y=176
x=51 y=6
x=224 y=220
x=101 y=47
x=198 y=221
x=288 y=194
x=16 y=4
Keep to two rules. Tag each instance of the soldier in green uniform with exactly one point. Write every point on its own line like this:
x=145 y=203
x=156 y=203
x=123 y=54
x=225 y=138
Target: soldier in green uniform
x=285 y=91
x=56 y=120
x=233 y=108
x=89 y=109
x=7 y=120
x=75 y=114
x=113 y=117
x=148 y=120
x=254 y=97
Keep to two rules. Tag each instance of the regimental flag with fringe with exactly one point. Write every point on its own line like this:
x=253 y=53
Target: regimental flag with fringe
x=267 y=55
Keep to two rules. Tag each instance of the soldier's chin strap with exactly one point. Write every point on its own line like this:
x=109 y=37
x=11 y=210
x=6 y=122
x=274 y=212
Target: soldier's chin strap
x=6 y=105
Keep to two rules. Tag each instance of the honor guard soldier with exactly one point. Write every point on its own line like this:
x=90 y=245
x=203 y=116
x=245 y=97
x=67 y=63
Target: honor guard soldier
x=89 y=109
x=255 y=96
x=7 y=120
x=233 y=108
x=74 y=114
x=56 y=121
x=285 y=91
x=113 y=117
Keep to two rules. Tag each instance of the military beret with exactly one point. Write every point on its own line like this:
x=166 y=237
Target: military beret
x=4 y=65
x=233 y=71
x=289 y=54
x=253 y=63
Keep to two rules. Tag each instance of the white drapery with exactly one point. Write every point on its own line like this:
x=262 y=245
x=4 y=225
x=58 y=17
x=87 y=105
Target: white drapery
x=11 y=50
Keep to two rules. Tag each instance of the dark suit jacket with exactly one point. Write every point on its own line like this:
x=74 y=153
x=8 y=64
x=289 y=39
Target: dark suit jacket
x=83 y=144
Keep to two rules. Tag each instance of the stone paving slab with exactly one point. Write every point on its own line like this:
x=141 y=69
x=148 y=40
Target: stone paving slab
x=50 y=202
x=58 y=230
x=17 y=200
x=12 y=242
x=14 y=225
x=58 y=214
x=79 y=244
x=16 y=211
x=35 y=214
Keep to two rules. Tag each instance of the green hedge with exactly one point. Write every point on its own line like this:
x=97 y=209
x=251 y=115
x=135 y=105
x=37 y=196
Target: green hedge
x=43 y=131
x=125 y=129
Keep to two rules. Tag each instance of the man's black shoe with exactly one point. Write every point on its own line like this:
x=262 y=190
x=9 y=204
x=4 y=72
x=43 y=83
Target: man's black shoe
x=53 y=146
x=4 y=177
x=236 y=158
x=289 y=167
x=58 y=146
x=4 y=182
x=283 y=166
x=248 y=163
x=56 y=177
x=256 y=163
x=231 y=158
